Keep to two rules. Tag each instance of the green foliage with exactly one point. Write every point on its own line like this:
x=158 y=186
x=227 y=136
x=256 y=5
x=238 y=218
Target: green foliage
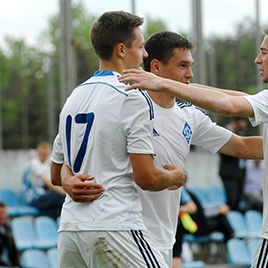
x=153 y=26
x=24 y=72
x=235 y=56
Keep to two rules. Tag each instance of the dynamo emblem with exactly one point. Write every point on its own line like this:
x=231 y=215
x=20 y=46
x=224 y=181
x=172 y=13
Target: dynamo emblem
x=187 y=132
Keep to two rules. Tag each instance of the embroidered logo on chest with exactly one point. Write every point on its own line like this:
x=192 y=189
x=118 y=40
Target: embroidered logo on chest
x=187 y=132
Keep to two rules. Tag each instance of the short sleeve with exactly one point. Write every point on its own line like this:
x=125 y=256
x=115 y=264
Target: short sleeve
x=259 y=104
x=207 y=134
x=136 y=118
x=57 y=153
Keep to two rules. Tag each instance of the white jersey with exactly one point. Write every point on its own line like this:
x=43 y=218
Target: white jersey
x=100 y=124
x=259 y=103
x=175 y=129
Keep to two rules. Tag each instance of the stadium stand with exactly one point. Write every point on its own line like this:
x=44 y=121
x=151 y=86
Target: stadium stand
x=35 y=258
x=16 y=206
x=253 y=220
x=46 y=232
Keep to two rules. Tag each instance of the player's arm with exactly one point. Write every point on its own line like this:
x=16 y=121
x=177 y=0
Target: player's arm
x=151 y=178
x=244 y=147
x=209 y=98
x=80 y=187
x=189 y=207
x=226 y=91
x=55 y=170
x=57 y=160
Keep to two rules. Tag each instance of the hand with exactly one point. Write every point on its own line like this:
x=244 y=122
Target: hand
x=179 y=176
x=80 y=189
x=141 y=79
x=224 y=209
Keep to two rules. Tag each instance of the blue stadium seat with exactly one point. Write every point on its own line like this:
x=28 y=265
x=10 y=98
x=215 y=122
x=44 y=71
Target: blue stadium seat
x=216 y=195
x=238 y=222
x=46 y=232
x=252 y=247
x=34 y=258
x=24 y=233
x=194 y=264
x=237 y=253
x=200 y=193
x=52 y=257
x=14 y=206
x=199 y=239
x=216 y=237
x=253 y=220
x=8 y=197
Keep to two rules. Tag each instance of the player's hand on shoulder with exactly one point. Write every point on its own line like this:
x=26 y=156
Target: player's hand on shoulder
x=140 y=79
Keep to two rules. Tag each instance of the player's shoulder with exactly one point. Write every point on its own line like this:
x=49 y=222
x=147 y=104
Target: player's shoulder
x=142 y=100
x=190 y=108
x=109 y=82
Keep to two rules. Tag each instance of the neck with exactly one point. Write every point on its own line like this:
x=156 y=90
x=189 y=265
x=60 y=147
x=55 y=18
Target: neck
x=110 y=65
x=162 y=99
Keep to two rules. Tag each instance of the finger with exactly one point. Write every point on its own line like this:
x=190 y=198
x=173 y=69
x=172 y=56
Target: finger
x=168 y=167
x=133 y=86
x=86 y=198
x=86 y=191
x=84 y=177
x=89 y=185
x=172 y=188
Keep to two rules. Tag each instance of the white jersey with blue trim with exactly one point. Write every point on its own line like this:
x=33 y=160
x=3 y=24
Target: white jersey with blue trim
x=100 y=124
x=175 y=129
x=259 y=103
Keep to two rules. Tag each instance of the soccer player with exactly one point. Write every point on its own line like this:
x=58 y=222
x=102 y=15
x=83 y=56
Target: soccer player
x=176 y=126
x=106 y=132
x=226 y=102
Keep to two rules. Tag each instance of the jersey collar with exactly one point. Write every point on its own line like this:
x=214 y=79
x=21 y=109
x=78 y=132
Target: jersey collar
x=106 y=73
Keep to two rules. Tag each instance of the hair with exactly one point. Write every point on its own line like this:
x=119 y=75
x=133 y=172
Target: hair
x=112 y=28
x=266 y=31
x=43 y=144
x=161 y=45
x=2 y=205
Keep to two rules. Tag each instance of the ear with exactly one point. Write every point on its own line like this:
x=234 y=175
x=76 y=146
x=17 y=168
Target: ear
x=155 y=66
x=120 y=50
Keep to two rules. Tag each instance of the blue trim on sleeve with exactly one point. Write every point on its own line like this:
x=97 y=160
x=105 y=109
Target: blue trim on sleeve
x=149 y=101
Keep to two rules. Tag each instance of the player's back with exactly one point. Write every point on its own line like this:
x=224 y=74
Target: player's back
x=94 y=140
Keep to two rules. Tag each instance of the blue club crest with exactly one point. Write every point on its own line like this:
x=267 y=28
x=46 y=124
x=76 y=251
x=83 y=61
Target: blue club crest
x=187 y=132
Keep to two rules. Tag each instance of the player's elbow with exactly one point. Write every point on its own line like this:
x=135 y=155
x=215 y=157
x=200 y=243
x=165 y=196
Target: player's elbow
x=147 y=181
x=229 y=108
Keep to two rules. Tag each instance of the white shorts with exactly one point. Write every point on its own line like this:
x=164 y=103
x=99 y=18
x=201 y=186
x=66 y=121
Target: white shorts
x=108 y=249
x=260 y=259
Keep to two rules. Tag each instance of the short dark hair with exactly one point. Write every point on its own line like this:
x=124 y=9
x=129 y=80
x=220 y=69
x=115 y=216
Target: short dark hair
x=112 y=28
x=2 y=205
x=161 y=45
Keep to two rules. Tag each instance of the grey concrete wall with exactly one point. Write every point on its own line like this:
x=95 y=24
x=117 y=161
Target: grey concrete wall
x=202 y=168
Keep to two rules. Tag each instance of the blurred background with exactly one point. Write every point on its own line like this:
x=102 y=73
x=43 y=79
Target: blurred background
x=45 y=51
